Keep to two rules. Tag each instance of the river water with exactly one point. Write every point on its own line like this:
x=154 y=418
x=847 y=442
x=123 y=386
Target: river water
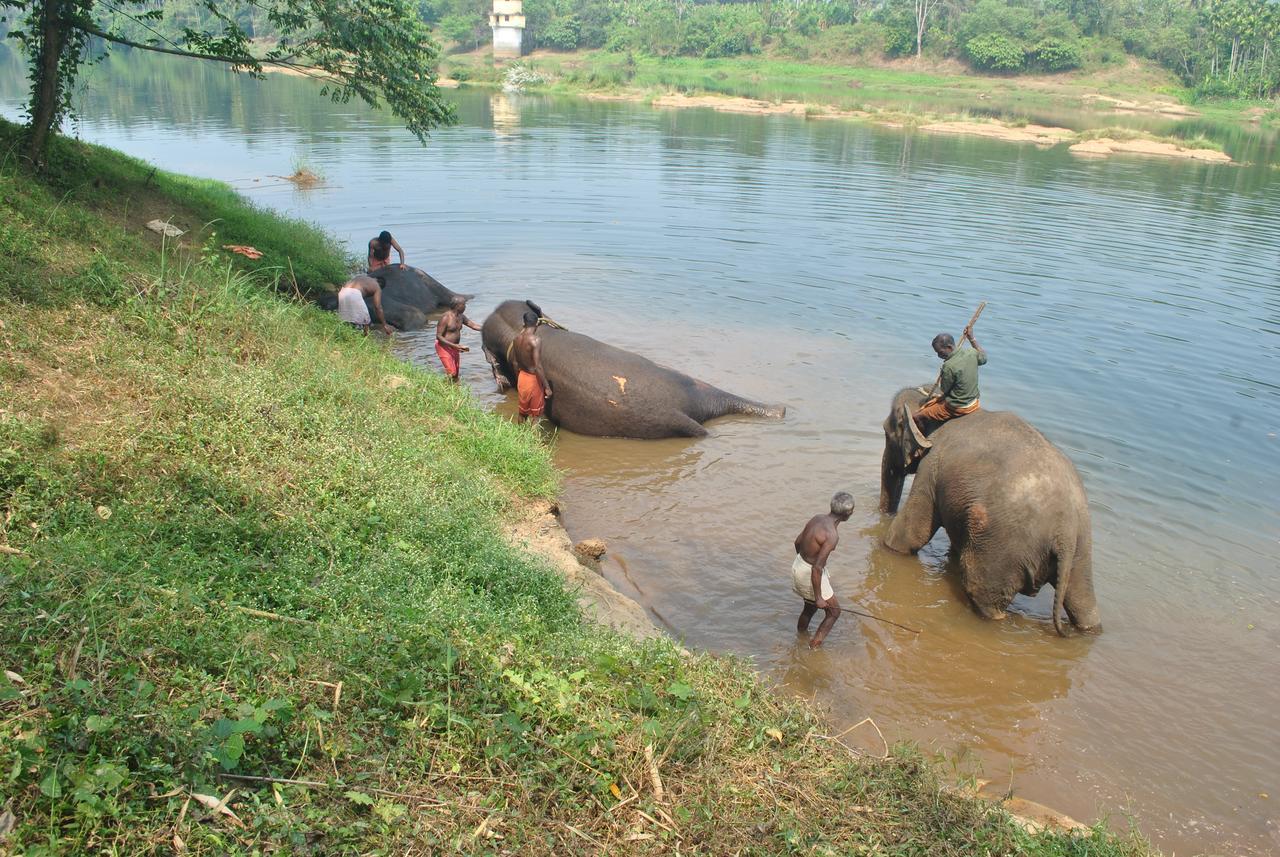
x=1133 y=316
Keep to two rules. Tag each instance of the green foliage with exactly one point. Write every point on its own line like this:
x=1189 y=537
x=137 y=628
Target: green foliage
x=995 y=52
x=996 y=17
x=380 y=53
x=1056 y=55
x=562 y=33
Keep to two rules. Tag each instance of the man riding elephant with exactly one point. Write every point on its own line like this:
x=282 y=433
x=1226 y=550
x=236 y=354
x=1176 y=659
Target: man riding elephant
x=958 y=380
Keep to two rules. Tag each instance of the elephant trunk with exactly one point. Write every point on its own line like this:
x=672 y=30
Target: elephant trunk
x=892 y=479
x=738 y=405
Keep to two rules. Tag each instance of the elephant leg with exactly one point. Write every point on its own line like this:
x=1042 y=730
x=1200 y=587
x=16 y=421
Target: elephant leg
x=683 y=425
x=990 y=577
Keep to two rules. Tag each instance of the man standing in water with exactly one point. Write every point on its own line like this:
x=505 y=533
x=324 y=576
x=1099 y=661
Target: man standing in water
x=352 y=307
x=959 y=379
x=809 y=577
x=526 y=359
x=449 y=336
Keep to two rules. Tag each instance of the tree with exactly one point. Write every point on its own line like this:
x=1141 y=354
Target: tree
x=922 y=10
x=379 y=50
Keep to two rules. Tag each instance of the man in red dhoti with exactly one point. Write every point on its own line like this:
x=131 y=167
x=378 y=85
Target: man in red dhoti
x=531 y=380
x=449 y=336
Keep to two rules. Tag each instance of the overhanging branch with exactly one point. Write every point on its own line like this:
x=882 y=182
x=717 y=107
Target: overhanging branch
x=244 y=61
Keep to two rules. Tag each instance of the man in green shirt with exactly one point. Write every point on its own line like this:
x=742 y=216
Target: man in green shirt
x=959 y=379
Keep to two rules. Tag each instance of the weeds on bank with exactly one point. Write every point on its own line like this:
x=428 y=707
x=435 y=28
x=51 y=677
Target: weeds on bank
x=1119 y=133
x=253 y=597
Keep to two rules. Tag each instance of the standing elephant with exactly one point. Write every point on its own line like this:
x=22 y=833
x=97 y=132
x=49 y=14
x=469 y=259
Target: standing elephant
x=1012 y=504
x=605 y=391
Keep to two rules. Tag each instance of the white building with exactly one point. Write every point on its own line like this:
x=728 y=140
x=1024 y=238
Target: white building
x=507 y=22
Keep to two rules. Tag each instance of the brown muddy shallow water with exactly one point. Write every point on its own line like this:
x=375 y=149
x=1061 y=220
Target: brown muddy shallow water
x=1134 y=317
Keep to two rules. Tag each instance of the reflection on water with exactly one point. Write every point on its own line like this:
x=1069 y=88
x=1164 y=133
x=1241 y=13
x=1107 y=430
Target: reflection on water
x=1134 y=316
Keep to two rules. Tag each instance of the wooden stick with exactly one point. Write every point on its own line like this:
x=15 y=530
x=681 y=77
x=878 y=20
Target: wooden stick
x=882 y=619
x=977 y=313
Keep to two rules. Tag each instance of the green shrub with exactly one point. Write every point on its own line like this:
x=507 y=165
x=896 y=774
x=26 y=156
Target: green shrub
x=1057 y=55
x=561 y=34
x=899 y=40
x=994 y=52
x=795 y=47
x=993 y=16
x=867 y=38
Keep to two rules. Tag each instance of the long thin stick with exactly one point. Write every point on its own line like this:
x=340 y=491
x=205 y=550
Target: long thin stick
x=972 y=321
x=881 y=619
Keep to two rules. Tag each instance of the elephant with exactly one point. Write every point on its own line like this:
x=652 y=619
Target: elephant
x=409 y=295
x=607 y=392
x=1011 y=502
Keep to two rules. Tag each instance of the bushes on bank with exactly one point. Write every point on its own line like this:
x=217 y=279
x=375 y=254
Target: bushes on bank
x=995 y=52
x=1056 y=55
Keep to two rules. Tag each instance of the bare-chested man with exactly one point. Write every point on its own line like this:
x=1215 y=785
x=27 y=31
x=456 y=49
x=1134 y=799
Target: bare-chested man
x=351 y=303
x=531 y=380
x=449 y=336
x=809 y=577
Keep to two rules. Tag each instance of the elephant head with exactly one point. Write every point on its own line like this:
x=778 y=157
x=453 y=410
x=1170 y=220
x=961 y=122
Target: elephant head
x=901 y=452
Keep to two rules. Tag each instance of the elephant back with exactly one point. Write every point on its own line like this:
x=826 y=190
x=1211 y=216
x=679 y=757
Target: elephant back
x=608 y=390
x=1020 y=467
x=413 y=288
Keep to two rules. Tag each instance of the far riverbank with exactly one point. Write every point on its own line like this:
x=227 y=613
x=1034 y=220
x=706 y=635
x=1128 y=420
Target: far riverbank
x=1145 y=102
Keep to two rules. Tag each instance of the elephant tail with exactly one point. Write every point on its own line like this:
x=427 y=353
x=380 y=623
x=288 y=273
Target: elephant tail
x=1066 y=556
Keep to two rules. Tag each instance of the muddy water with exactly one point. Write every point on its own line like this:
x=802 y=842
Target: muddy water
x=1134 y=316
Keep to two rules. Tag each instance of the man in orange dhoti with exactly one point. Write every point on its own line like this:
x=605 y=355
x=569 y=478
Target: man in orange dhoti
x=531 y=380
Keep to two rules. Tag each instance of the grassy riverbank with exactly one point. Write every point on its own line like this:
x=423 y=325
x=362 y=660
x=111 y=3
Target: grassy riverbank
x=936 y=89
x=239 y=541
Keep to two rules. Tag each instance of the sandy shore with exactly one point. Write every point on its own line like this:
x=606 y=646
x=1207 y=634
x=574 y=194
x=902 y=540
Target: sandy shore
x=994 y=129
x=732 y=104
x=1041 y=135
x=1104 y=146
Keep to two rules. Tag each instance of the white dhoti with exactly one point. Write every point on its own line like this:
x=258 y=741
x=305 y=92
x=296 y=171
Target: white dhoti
x=802 y=580
x=351 y=306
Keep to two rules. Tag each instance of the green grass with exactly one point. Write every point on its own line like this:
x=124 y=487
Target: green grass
x=240 y=540
x=87 y=184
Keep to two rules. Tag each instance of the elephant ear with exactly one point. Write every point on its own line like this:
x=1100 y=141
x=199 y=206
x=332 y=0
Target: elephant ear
x=913 y=444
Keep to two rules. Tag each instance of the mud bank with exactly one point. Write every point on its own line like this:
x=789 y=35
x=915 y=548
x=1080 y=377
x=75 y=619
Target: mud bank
x=1041 y=135
x=732 y=104
x=1044 y=136
x=538 y=530
x=1104 y=146
x=1124 y=105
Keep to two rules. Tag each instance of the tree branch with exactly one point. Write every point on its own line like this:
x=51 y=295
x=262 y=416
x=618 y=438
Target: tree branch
x=247 y=60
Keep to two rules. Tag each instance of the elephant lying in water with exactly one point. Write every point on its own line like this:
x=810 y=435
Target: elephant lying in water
x=605 y=391
x=1012 y=504
x=408 y=297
